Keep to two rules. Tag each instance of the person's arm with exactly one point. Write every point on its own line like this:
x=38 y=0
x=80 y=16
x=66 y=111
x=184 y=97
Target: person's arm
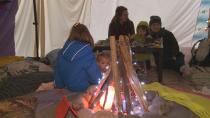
x=91 y=67
x=173 y=44
x=112 y=28
x=58 y=83
x=94 y=73
x=132 y=29
x=132 y=32
x=94 y=78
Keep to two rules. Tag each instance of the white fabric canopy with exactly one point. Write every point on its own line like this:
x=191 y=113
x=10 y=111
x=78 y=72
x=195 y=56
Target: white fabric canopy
x=178 y=16
x=60 y=15
x=24 y=29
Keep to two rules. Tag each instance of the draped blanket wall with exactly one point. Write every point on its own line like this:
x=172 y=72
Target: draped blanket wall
x=7 y=25
x=178 y=16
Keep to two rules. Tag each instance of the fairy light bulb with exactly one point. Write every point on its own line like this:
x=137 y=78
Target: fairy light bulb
x=94 y=94
x=132 y=103
x=99 y=81
x=107 y=67
x=103 y=75
x=132 y=82
x=144 y=97
x=132 y=113
x=94 y=105
x=142 y=83
x=136 y=98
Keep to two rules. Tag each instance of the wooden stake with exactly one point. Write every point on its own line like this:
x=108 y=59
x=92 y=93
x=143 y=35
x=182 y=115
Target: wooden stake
x=115 y=71
x=126 y=85
x=133 y=79
x=209 y=25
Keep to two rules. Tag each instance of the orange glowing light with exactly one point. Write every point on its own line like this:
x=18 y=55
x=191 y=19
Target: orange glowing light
x=109 y=100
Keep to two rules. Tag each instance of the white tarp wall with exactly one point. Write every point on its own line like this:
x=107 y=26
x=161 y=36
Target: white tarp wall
x=178 y=16
x=60 y=16
x=24 y=29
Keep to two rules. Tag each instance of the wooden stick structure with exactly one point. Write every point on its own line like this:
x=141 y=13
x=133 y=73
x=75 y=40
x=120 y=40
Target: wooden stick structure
x=115 y=72
x=124 y=78
x=99 y=91
x=135 y=84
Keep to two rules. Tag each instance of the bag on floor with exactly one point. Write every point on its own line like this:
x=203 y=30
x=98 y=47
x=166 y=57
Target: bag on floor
x=201 y=54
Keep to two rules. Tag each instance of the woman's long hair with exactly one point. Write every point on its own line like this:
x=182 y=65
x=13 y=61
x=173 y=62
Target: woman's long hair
x=118 y=13
x=81 y=33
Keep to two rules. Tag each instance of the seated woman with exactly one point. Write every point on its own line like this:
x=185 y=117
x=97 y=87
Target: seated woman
x=121 y=24
x=76 y=66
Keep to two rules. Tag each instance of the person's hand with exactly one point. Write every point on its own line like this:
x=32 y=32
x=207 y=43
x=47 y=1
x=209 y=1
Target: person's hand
x=92 y=89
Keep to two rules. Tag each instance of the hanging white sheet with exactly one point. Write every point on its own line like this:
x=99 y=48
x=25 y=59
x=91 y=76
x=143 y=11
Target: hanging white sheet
x=178 y=16
x=60 y=15
x=24 y=29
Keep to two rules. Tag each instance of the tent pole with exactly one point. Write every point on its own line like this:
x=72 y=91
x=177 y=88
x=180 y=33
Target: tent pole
x=36 y=30
x=209 y=25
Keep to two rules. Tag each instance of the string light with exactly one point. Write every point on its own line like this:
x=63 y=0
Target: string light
x=132 y=113
x=99 y=81
x=142 y=83
x=103 y=75
x=117 y=62
x=135 y=63
x=94 y=105
x=136 y=99
x=144 y=97
x=107 y=67
x=132 y=103
x=94 y=94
